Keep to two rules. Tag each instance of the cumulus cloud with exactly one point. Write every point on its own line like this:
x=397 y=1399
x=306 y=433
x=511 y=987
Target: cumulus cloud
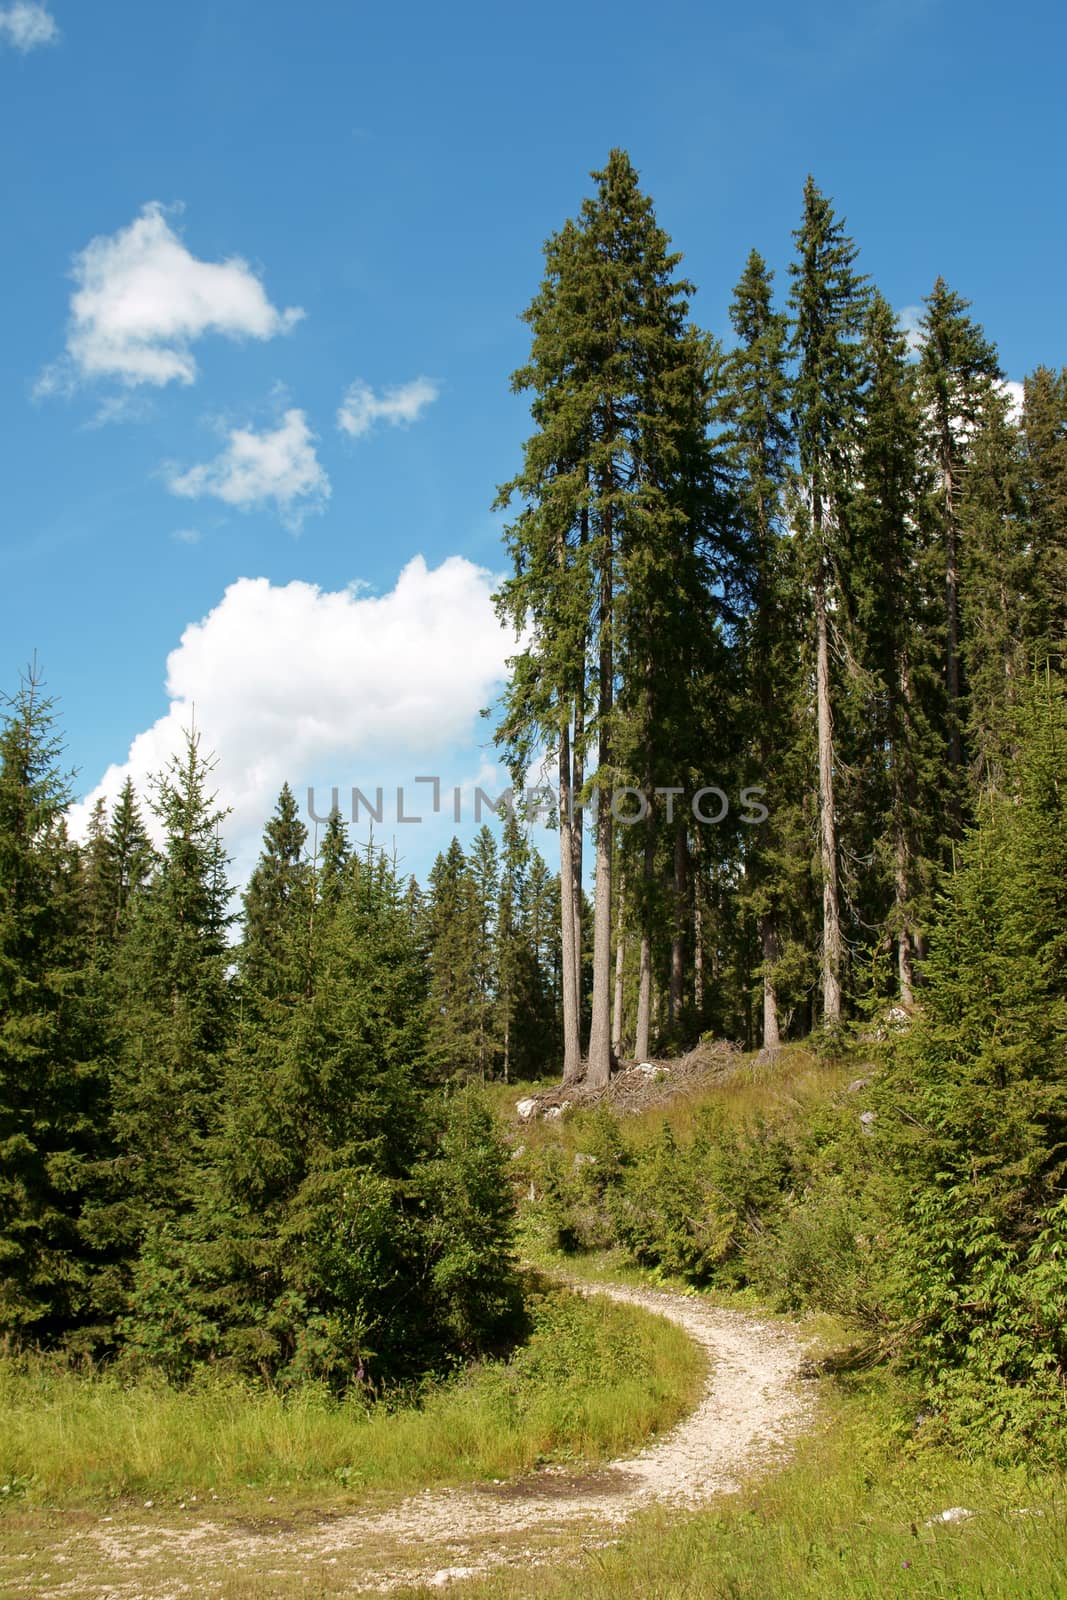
x=361 y=408
x=278 y=466
x=292 y=683
x=140 y=300
x=1015 y=395
x=25 y=26
x=909 y=321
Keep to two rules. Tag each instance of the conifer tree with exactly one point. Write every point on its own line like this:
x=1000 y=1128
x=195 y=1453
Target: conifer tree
x=608 y=486
x=828 y=302
x=959 y=372
x=996 y=597
x=759 y=448
x=974 y=1106
x=52 y=1084
x=333 y=858
x=1044 y=441
x=454 y=945
x=278 y=908
x=484 y=867
x=892 y=592
x=171 y=979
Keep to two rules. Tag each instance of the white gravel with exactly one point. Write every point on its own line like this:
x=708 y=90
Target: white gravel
x=753 y=1406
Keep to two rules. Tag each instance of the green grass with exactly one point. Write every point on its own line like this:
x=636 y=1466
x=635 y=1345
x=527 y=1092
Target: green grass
x=786 y=1089
x=595 y=1379
x=846 y=1521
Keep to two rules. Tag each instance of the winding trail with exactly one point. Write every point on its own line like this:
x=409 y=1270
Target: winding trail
x=753 y=1406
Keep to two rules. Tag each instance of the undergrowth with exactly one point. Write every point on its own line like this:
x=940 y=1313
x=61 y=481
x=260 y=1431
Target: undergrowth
x=594 y=1379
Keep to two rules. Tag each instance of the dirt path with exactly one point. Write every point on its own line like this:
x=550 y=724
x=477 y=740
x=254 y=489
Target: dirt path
x=753 y=1406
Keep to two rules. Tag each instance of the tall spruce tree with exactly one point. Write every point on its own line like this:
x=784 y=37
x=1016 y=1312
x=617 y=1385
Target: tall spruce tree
x=759 y=446
x=608 y=485
x=828 y=304
x=1044 y=440
x=893 y=599
x=996 y=593
x=959 y=373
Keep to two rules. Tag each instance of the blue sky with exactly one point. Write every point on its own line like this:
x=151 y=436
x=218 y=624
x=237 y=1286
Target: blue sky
x=223 y=220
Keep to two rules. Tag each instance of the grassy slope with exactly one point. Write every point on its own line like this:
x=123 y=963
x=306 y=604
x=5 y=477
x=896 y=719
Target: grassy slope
x=849 y=1517
x=846 y=1519
x=594 y=1381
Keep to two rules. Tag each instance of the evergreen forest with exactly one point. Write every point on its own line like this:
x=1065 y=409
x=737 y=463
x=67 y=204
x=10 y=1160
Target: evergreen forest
x=792 y=620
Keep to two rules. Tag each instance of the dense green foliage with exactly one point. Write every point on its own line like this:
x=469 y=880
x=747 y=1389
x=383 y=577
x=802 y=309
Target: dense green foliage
x=818 y=564
x=924 y=1201
x=230 y=1154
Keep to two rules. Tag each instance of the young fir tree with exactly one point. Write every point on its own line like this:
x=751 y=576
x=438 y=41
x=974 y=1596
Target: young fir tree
x=484 y=867
x=333 y=858
x=974 y=1106
x=959 y=372
x=278 y=910
x=171 y=982
x=454 y=941
x=52 y=1084
x=828 y=302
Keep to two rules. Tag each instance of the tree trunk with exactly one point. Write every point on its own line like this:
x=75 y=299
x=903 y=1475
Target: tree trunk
x=644 y=979
x=578 y=839
x=681 y=908
x=831 y=915
x=768 y=933
x=620 y=969
x=572 y=1052
x=698 y=950
x=598 y=1070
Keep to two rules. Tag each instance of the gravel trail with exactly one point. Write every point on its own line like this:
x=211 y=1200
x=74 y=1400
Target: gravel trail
x=753 y=1406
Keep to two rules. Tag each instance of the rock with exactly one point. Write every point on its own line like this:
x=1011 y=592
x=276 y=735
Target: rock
x=868 y=1120
x=519 y=1150
x=583 y=1160
x=953 y=1514
x=525 y=1109
x=552 y=1113
x=856 y=1085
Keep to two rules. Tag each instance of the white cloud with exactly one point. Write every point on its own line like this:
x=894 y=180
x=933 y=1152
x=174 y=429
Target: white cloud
x=187 y=535
x=140 y=300
x=1014 y=394
x=278 y=465
x=909 y=321
x=294 y=683
x=361 y=408
x=26 y=25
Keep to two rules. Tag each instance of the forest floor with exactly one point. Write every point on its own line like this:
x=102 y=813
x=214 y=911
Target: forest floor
x=754 y=1404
